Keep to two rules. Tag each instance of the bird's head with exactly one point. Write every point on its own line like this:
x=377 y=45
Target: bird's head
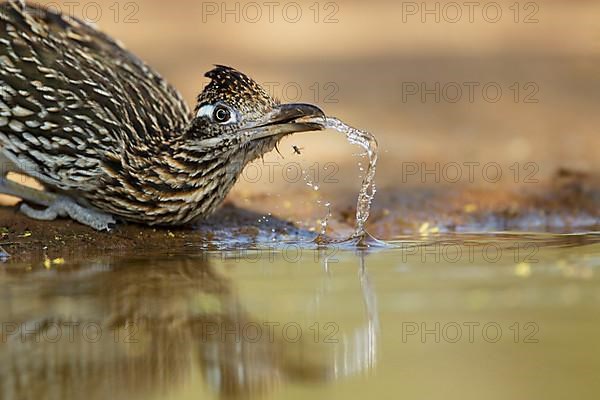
x=235 y=111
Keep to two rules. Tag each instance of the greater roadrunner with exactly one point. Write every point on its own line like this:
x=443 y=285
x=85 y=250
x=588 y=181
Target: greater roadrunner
x=110 y=139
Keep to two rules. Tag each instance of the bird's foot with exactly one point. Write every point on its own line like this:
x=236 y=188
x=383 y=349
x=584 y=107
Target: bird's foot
x=66 y=207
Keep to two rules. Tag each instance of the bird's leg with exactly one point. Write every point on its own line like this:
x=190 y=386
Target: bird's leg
x=56 y=206
x=67 y=207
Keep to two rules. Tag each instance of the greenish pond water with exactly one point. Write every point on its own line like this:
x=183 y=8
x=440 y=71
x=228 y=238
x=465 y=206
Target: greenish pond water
x=455 y=317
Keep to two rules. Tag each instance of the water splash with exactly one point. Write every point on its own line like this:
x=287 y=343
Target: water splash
x=367 y=192
x=308 y=180
x=325 y=220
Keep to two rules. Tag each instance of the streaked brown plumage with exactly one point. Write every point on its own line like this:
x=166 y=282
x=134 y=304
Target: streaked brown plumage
x=109 y=136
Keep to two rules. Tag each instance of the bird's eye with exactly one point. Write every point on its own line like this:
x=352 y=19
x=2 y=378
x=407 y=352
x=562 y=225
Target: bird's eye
x=221 y=114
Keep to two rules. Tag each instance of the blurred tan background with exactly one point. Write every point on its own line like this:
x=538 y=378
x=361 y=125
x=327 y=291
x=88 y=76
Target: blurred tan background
x=356 y=59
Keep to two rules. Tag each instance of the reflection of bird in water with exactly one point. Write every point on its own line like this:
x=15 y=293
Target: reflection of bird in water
x=158 y=321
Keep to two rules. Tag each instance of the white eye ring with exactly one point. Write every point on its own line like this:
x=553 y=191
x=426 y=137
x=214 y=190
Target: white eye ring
x=208 y=111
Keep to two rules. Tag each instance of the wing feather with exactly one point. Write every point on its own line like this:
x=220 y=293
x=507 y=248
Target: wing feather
x=72 y=98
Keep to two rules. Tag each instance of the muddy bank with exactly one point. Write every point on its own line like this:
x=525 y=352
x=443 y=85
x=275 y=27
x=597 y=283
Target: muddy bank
x=567 y=204
x=27 y=240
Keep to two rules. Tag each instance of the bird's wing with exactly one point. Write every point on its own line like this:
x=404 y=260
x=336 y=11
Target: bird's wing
x=72 y=97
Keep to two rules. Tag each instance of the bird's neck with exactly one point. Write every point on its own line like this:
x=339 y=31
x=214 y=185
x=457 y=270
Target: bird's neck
x=166 y=183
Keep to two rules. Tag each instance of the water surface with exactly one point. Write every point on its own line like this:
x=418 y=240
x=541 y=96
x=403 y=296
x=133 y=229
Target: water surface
x=504 y=316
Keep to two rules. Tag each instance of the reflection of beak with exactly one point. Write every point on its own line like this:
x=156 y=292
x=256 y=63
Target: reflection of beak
x=289 y=118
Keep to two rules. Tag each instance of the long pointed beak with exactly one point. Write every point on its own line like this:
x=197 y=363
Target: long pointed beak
x=290 y=118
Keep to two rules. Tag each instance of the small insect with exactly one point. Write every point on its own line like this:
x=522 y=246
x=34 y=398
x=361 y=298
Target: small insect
x=297 y=150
